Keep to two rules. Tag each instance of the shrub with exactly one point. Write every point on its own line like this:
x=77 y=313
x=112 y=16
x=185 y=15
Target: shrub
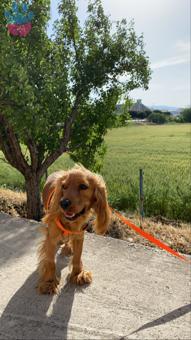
x=179 y=119
x=157 y=118
x=186 y=115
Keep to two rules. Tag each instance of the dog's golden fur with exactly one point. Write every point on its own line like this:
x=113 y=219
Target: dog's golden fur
x=91 y=197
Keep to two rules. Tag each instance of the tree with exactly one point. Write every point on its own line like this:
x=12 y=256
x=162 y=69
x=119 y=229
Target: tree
x=166 y=113
x=122 y=113
x=157 y=118
x=157 y=111
x=58 y=95
x=186 y=115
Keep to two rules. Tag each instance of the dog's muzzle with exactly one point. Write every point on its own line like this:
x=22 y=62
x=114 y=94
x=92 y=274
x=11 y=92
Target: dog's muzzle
x=74 y=217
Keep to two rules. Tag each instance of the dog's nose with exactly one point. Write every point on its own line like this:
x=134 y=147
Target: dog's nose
x=65 y=203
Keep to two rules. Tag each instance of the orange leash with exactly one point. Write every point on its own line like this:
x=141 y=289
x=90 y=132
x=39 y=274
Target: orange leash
x=138 y=230
x=149 y=237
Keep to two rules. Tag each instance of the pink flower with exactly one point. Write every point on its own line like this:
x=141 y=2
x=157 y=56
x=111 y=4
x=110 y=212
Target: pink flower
x=25 y=29
x=19 y=30
x=12 y=28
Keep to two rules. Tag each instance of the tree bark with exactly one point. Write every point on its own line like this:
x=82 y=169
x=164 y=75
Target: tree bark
x=34 y=206
x=11 y=147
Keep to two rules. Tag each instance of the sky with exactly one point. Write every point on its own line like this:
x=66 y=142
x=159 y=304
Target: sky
x=167 y=33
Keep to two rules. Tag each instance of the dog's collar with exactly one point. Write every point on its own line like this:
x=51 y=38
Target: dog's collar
x=67 y=232
x=59 y=223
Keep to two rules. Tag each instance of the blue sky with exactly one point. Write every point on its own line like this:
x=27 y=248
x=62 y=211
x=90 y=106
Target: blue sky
x=166 y=28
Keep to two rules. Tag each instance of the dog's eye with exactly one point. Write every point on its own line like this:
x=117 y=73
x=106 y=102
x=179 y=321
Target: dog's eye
x=64 y=187
x=83 y=187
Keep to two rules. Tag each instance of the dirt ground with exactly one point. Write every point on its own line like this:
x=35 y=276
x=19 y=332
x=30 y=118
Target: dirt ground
x=174 y=233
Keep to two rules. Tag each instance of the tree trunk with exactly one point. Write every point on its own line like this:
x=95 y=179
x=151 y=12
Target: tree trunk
x=34 y=206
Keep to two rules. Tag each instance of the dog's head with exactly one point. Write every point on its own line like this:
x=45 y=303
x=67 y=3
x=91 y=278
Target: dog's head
x=78 y=191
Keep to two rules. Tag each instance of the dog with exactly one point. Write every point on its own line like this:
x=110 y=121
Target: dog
x=69 y=198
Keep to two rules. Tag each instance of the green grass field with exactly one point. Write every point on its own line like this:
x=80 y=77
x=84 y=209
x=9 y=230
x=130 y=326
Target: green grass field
x=163 y=152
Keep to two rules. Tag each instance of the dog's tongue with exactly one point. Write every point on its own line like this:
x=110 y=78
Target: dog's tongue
x=69 y=214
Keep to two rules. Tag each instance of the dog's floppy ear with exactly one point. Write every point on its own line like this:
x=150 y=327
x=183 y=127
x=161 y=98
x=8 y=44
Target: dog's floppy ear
x=100 y=205
x=51 y=195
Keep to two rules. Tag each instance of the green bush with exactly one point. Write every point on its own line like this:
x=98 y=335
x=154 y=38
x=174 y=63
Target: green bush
x=122 y=120
x=157 y=118
x=179 y=119
x=186 y=115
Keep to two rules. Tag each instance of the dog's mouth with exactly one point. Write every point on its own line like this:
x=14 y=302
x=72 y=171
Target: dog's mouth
x=71 y=216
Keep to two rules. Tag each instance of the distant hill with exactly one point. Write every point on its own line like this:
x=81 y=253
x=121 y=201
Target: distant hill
x=173 y=109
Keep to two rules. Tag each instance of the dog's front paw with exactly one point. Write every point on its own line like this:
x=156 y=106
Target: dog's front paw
x=81 y=278
x=48 y=287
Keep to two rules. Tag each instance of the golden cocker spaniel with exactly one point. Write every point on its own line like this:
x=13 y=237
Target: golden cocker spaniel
x=69 y=198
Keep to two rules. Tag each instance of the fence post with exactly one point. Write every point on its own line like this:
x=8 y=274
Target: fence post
x=141 y=194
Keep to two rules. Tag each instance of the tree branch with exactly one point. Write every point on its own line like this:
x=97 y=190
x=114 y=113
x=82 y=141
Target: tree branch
x=71 y=118
x=74 y=44
x=66 y=137
x=11 y=147
x=51 y=159
x=33 y=154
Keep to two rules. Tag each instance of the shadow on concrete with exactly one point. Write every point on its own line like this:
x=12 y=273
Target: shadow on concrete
x=176 y=313
x=29 y=315
x=17 y=236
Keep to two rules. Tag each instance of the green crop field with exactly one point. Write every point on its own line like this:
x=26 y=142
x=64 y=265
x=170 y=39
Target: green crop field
x=163 y=152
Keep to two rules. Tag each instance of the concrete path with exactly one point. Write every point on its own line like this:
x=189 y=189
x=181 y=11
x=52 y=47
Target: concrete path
x=137 y=292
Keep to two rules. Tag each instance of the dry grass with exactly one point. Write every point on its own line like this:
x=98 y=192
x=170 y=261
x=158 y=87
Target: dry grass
x=13 y=203
x=176 y=234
